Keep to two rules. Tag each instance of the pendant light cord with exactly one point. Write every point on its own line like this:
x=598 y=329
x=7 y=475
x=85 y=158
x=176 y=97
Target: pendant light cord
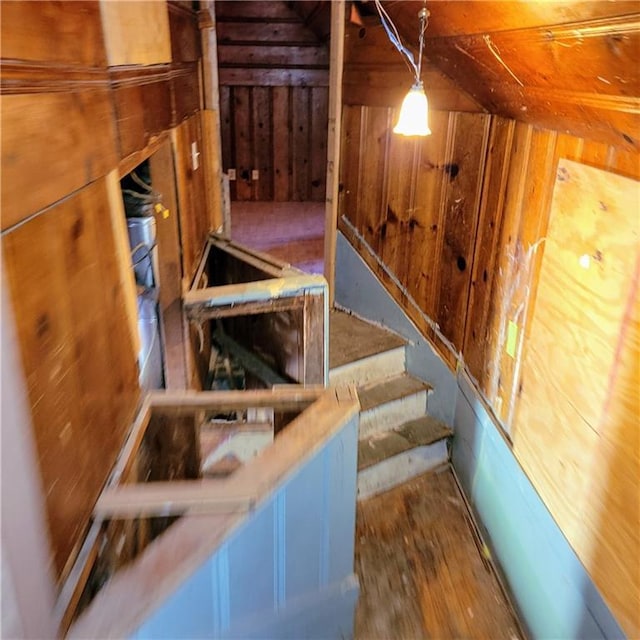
x=395 y=39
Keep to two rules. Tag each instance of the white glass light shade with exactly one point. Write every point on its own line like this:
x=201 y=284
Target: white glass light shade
x=414 y=113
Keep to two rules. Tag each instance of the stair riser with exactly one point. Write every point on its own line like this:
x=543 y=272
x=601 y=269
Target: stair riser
x=392 y=414
x=398 y=469
x=383 y=365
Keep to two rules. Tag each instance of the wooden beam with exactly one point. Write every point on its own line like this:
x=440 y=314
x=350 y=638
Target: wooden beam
x=249 y=292
x=274 y=77
x=249 y=361
x=333 y=142
x=284 y=398
x=162 y=499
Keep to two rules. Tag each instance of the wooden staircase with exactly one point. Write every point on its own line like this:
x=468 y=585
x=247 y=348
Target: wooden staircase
x=397 y=438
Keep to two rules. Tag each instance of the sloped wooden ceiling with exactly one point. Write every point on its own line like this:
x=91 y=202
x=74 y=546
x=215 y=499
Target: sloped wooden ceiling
x=569 y=66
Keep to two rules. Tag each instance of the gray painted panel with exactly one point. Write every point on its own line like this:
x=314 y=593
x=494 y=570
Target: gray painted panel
x=328 y=613
x=554 y=594
x=358 y=289
x=341 y=491
x=304 y=532
x=195 y=597
x=251 y=565
x=287 y=572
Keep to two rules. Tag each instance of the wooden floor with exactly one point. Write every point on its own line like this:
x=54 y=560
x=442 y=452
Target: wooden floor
x=290 y=231
x=422 y=573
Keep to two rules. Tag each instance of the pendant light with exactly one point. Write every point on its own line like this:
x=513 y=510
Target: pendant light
x=414 y=113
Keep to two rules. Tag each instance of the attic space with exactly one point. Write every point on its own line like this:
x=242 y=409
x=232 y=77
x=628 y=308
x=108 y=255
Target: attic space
x=273 y=365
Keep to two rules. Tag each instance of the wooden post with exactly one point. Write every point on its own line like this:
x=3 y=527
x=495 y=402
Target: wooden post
x=211 y=121
x=333 y=143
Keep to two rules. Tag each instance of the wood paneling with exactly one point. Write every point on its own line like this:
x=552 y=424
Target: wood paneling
x=281 y=132
x=374 y=75
x=68 y=33
x=162 y=170
x=142 y=99
x=77 y=353
x=501 y=173
x=185 y=36
x=136 y=32
x=194 y=220
x=578 y=412
x=273 y=102
x=421 y=195
x=463 y=17
x=57 y=143
x=185 y=91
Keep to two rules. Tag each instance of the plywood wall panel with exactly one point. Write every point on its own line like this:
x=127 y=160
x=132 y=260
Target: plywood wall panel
x=68 y=33
x=59 y=141
x=136 y=32
x=574 y=432
x=77 y=353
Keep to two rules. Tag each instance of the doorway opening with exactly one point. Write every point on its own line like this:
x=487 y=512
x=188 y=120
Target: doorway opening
x=273 y=63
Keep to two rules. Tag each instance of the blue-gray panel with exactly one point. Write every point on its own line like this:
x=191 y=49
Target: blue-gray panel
x=554 y=594
x=186 y=614
x=341 y=460
x=278 y=564
x=358 y=289
x=303 y=528
x=324 y=614
x=251 y=566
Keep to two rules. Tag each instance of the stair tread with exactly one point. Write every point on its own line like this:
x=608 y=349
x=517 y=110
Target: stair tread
x=352 y=339
x=420 y=432
x=381 y=392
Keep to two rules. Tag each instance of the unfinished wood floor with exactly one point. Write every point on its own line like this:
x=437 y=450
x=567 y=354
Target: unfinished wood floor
x=289 y=231
x=422 y=574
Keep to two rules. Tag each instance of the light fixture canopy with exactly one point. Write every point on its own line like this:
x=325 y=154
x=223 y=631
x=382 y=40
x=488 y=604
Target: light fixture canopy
x=414 y=113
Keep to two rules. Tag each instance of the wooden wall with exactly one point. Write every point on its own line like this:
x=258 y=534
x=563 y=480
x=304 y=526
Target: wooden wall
x=273 y=102
x=72 y=125
x=454 y=225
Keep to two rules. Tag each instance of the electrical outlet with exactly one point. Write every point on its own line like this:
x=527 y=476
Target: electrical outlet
x=232 y=174
x=255 y=174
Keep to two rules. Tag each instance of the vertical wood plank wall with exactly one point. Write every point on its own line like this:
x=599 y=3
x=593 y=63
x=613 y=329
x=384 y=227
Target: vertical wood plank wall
x=273 y=102
x=71 y=126
x=454 y=225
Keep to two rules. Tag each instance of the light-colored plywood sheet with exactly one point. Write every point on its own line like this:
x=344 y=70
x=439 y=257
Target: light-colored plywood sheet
x=65 y=278
x=577 y=419
x=136 y=32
